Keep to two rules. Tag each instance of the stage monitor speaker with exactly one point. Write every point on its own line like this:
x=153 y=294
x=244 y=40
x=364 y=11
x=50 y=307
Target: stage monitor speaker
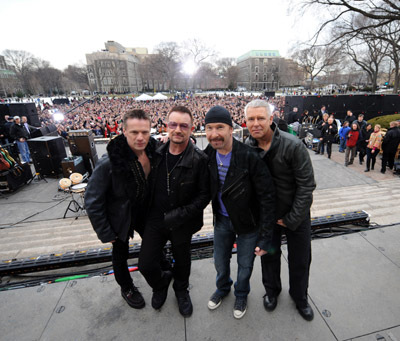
x=81 y=142
x=58 y=101
x=73 y=164
x=47 y=153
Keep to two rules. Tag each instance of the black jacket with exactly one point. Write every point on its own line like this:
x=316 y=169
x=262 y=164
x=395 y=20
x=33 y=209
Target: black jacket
x=291 y=169
x=17 y=131
x=248 y=192
x=391 y=140
x=189 y=190
x=329 y=132
x=116 y=195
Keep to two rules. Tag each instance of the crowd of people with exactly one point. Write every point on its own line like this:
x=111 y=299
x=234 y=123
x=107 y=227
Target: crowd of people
x=104 y=115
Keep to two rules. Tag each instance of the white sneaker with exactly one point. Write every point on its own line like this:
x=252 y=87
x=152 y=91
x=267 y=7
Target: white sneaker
x=240 y=307
x=215 y=301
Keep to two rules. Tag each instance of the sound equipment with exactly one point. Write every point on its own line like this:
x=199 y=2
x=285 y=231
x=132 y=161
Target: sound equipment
x=81 y=142
x=47 y=153
x=71 y=165
x=50 y=130
x=309 y=128
x=23 y=109
x=269 y=93
x=15 y=177
x=58 y=101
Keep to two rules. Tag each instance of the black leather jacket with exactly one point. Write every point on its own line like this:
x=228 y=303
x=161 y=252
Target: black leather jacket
x=116 y=197
x=248 y=192
x=291 y=168
x=189 y=189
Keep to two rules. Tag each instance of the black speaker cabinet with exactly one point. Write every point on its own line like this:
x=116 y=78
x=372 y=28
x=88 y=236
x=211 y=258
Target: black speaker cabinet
x=81 y=142
x=12 y=179
x=47 y=153
x=73 y=164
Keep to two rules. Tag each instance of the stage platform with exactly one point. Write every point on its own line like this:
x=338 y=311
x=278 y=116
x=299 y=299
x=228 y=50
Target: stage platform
x=354 y=292
x=354 y=278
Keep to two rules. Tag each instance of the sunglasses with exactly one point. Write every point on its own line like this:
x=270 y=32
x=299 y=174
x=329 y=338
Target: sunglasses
x=174 y=125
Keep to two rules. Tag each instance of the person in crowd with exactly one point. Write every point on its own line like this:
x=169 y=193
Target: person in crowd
x=328 y=134
x=306 y=118
x=343 y=136
x=9 y=121
x=19 y=134
x=179 y=194
x=117 y=195
x=293 y=175
x=350 y=117
x=353 y=135
x=293 y=116
x=321 y=126
x=243 y=202
x=361 y=122
x=363 y=141
x=112 y=129
x=390 y=145
x=27 y=126
x=373 y=147
x=280 y=122
x=320 y=114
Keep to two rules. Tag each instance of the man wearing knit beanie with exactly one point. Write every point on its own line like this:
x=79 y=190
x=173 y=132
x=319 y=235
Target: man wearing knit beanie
x=243 y=211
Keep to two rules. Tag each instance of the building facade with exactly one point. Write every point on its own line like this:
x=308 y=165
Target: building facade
x=259 y=70
x=114 y=69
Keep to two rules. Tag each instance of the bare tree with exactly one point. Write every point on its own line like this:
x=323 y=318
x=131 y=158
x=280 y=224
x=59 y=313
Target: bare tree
x=198 y=50
x=316 y=60
x=227 y=69
x=379 y=13
x=22 y=62
x=78 y=75
x=167 y=62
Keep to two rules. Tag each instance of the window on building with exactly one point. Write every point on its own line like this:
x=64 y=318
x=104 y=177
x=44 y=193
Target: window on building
x=256 y=78
x=256 y=69
x=265 y=78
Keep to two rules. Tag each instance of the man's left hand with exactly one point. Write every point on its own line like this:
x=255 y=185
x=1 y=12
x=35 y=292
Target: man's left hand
x=259 y=252
x=280 y=222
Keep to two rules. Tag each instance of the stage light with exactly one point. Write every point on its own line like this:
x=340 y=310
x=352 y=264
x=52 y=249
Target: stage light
x=57 y=116
x=272 y=107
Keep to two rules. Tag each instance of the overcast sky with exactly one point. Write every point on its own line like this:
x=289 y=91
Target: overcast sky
x=62 y=32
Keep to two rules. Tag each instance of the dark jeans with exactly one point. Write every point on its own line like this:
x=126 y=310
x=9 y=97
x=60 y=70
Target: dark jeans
x=155 y=237
x=299 y=259
x=387 y=160
x=371 y=157
x=224 y=237
x=321 y=147
x=329 y=148
x=361 y=153
x=120 y=254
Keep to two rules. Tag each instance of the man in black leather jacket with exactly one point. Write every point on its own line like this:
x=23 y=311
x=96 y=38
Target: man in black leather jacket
x=243 y=201
x=291 y=168
x=115 y=197
x=179 y=195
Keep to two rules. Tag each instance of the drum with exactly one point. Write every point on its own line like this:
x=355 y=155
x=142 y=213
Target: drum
x=65 y=184
x=78 y=188
x=76 y=178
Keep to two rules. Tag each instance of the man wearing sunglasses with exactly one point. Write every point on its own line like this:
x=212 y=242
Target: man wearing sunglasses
x=243 y=201
x=180 y=192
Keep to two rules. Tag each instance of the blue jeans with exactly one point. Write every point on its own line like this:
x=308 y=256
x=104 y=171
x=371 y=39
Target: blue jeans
x=342 y=145
x=224 y=237
x=24 y=151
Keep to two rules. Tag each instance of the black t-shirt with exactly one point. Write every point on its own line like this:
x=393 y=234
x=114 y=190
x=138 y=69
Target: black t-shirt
x=161 y=203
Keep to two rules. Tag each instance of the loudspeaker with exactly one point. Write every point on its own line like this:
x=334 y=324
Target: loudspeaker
x=25 y=109
x=58 y=101
x=71 y=165
x=81 y=142
x=12 y=179
x=47 y=153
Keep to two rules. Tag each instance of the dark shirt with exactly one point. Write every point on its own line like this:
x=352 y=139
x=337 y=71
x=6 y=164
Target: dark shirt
x=161 y=203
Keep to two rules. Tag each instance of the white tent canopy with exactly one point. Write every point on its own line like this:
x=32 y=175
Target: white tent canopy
x=144 y=97
x=160 y=96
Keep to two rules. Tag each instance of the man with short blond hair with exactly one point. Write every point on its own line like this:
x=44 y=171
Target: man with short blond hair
x=291 y=169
